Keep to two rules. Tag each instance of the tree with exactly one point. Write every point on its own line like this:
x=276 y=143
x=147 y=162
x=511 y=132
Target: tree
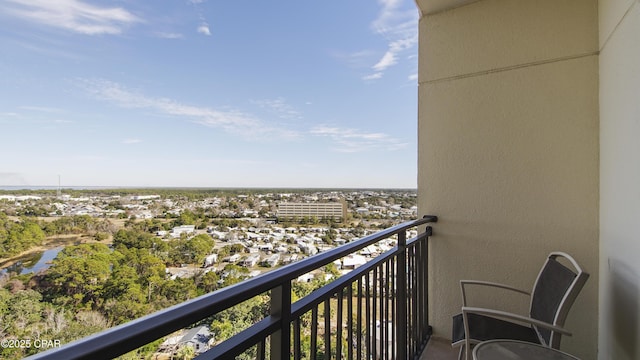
x=178 y=290
x=208 y=282
x=23 y=310
x=186 y=352
x=19 y=236
x=129 y=305
x=135 y=238
x=79 y=273
x=233 y=274
x=123 y=278
x=101 y=236
x=198 y=247
x=82 y=323
x=332 y=270
x=146 y=266
x=187 y=217
x=239 y=317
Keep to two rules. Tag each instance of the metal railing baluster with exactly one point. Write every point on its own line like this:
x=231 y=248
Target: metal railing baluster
x=314 y=333
x=327 y=329
x=367 y=313
x=339 y=325
x=387 y=312
x=260 y=350
x=401 y=296
x=374 y=300
x=350 y=322
x=296 y=339
x=394 y=332
x=359 y=321
x=383 y=324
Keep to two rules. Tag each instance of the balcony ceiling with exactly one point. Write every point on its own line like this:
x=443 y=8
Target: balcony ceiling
x=433 y=6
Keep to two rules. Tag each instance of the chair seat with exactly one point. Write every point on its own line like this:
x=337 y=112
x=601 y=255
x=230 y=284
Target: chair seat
x=484 y=328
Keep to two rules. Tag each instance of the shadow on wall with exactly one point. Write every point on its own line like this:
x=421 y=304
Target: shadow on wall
x=624 y=308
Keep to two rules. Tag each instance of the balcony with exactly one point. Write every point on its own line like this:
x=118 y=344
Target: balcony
x=376 y=311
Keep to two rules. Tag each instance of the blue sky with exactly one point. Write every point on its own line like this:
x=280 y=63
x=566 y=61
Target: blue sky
x=208 y=93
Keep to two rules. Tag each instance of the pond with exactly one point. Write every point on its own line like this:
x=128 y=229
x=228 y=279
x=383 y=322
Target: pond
x=32 y=263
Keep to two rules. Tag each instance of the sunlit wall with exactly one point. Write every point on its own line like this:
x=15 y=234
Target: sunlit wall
x=620 y=180
x=509 y=150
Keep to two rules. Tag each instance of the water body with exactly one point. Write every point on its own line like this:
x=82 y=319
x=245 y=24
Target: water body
x=33 y=263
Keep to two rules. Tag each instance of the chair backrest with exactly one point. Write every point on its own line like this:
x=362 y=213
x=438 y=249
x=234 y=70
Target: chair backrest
x=554 y=292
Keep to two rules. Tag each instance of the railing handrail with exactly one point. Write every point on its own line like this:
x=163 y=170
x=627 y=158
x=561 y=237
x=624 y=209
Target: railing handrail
x=136 y=333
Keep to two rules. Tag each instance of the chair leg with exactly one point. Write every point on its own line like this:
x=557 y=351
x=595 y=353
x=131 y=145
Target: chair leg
x=468 y=351
x=460 y=352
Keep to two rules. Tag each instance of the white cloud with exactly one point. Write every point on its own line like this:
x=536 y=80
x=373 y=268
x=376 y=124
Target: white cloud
x=387 y=60
x=232 y=121
x=413 y=77
x=280 y=107
x=48 y=51
x=357 y=59
x=373 y=76
x=353 y=140
x=204 y=29
x=399 y=27
x=73 y=15
x=9 y=114
x=42 y=109
x=164 y=35
x=388 y=13
x=131 y=141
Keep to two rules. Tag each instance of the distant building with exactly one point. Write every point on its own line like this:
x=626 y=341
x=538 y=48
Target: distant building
x=28 y=197
x=145 y=197
x=289 y=259
x=19 y=198
x=265 y=247
x=353 y=261
x=305 y=278
x=319 y=210
x=210 y=260
x=233 y=258
x=307 y=248
x=251 y=260
x=272 y=260
x=199 y=338
x=178 y=230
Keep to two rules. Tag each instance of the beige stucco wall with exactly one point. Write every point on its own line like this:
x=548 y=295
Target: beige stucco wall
x=508 y=150
x=620 y=180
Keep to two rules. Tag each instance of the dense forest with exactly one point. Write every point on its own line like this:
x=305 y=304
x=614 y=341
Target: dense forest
x=90 y=287
x=20 y=235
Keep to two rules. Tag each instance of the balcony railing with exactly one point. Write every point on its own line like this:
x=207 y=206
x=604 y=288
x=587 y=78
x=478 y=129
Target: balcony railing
x=377 y=311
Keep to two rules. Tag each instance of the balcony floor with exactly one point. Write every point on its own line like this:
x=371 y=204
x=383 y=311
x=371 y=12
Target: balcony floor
x=439 y=349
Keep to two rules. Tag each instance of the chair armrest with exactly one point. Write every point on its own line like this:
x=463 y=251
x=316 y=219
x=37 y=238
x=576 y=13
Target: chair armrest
x=510 y=316
x=486 y=283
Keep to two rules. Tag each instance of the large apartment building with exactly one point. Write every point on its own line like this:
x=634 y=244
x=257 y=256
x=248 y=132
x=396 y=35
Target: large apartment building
x=319 y=210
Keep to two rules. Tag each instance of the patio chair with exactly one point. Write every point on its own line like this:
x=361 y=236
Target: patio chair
x=554 y=292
